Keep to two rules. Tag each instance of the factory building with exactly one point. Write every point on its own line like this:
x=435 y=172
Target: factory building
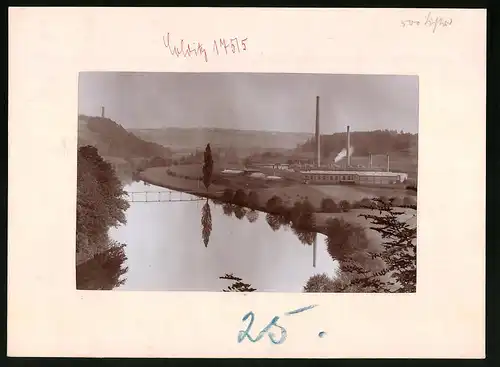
x=349 y=175
x=353 y=177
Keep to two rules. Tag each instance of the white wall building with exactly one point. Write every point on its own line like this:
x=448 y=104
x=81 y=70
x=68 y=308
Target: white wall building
x=355 y=177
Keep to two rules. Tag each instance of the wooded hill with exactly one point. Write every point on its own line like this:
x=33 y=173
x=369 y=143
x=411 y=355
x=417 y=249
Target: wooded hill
x=366 y=142
x=111 y=139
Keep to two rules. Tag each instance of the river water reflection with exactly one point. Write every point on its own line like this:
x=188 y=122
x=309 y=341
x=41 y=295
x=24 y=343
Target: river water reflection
x=169 y=249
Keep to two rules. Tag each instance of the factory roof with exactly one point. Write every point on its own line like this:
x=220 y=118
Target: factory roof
x=359 y=173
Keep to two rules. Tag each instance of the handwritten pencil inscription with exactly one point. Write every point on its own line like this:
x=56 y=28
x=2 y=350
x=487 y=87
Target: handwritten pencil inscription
x=221 y=46
x=430 y=21
x=245 y=334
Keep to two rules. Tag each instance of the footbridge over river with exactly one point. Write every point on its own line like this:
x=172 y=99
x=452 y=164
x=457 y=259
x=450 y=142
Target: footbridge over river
x=171 y=196
x=168 y=196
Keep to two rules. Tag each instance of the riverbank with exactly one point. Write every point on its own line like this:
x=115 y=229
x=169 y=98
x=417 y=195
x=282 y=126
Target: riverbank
x=289 y=195
x=158 y=176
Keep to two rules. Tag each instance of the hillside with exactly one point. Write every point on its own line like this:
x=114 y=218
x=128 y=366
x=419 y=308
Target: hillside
x=243 y=140
x=111 y=139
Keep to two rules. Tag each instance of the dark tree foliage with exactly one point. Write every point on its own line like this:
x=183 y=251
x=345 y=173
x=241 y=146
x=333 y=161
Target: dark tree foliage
x=321 y=283
x=103 y=271
x=275 y=205
x=238 y=284
x=239 y=211
x=253 y=199
x=240 y=198
x=344 y=239
x=208 y=166
x=100 y=202
x=100 y=206
x=228 y=196
x=302 y=215
x=252 y=216
x=305 y=237
x=329 y=206
x=228 y=209
x=344 y=205
x=274 y=221
x=158 y=162
x=206 y=223
x=399 y=247
x=374 y=142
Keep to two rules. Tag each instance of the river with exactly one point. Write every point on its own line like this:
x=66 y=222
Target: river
x=166 y=252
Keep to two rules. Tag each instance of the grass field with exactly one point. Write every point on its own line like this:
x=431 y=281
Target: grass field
x=289 y=191
x=158 y=176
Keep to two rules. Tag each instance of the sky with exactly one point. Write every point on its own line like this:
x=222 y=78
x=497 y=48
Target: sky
x=269 y=101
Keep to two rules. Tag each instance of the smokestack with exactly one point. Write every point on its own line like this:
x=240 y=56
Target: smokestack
x=318 y=152
x=315 y=251
x=370 y=164
x=388 y=163
x=348 y=147
x=102 y=111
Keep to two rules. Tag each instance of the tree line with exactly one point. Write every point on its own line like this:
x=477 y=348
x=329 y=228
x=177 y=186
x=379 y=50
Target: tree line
x=100 y=206
x=365 y=142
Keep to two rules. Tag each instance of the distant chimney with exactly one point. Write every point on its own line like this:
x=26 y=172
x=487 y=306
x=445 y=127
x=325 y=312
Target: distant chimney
x=318 y=151
x=102 y=112
x=348 y=147
x=388 y=163
x=315 y=251
x=370 y=164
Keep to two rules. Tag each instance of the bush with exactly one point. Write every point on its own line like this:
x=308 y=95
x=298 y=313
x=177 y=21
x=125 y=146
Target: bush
x=228 y=195
x=253 y=199
x=320 y=283
x=302 y=215
x=365 y=203
x=397 y=201
x=412 y=188
x=345 y=206
x=240 y=197
x=409 y=201
x=329 y=206
x=384 y=199
x=275 y=204
x=344 y=239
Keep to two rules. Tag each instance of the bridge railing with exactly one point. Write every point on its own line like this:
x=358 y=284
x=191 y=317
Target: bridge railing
x=160 y=196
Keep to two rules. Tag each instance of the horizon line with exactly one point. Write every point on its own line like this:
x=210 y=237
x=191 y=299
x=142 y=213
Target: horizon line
x=244 y=129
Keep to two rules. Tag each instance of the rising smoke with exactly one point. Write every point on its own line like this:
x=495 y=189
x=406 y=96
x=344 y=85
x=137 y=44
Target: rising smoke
x=343 y=154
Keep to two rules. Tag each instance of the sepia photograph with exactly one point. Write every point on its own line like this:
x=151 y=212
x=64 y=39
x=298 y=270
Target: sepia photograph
x=247 y=182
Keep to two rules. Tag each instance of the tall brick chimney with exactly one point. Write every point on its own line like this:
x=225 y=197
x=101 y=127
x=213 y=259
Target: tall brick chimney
x=317 y=133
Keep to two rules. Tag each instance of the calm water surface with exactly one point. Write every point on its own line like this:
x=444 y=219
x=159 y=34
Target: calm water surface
x=165 y=249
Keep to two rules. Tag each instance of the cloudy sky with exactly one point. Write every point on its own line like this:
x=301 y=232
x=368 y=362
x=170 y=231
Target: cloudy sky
x=280 y=102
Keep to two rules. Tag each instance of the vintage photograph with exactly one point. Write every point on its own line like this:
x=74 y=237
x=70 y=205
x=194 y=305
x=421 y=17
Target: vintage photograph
x=247 y=182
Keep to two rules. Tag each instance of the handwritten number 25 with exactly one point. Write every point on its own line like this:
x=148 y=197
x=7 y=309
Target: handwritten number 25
x=245 y=333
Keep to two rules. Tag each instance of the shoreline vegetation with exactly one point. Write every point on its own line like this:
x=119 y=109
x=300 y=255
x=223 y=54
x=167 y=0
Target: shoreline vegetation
x=269 y=201
x=366 y=228
x=100 y=206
